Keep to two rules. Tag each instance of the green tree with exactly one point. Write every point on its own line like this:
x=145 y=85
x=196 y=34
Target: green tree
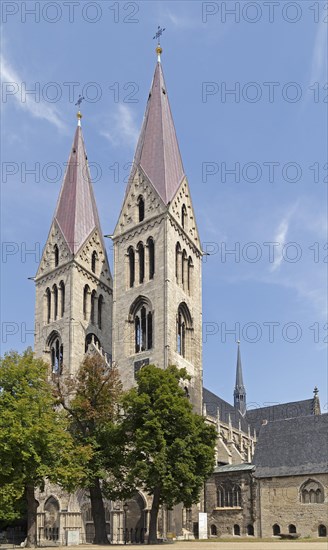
x=34 y=441
x=92 y=403
x=171 y=448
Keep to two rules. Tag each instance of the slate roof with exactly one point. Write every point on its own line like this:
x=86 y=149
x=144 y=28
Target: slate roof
x=234 y=468
x=157 y=151
x=293 y=446
x=214 y=402
x=76 y=211
x=255 y=417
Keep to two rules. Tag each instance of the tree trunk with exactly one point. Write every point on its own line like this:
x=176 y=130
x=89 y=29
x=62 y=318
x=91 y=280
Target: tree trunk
x=152 y=538
x=98 y=513
x=32 y=506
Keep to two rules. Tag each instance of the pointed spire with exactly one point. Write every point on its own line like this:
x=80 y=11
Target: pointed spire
x=316 y=402
x=239 y=393
x=76 y=211
x=157 y=152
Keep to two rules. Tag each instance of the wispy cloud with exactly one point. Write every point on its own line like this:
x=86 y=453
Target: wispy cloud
x=36 y=107
x=183 y=21
x=123 y=129
x=280 y=237
x=319 y=56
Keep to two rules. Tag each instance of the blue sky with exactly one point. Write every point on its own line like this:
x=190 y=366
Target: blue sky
x=271 y=131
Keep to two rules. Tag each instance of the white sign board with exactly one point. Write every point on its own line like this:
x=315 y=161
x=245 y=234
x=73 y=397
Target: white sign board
x=72 y=537
x=202 y=522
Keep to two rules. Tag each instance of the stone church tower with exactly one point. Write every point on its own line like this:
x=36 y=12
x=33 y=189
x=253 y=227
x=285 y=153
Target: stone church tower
x=157 y=256
x=73 y=282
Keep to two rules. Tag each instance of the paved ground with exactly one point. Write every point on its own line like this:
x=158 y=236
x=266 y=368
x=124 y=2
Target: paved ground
x=207 y=545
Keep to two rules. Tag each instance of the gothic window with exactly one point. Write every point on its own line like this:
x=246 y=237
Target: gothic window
x=93 y=305
x=190 y=269
x=94 y=260
x=229 y=495
x=311 y=492
x=291 y=528
x=141 y=258
x=250 y=530
x=48 y=304
x=184 y=325
x=56 y=255
x=141 y=209
x=62 y=298
x=131 y=266
x=86 y=292
x=55 y=294
x=214 y=531
x=56 y=352
x=177 y=262
x=236 y=530
x=51 y=519
x=151 y=257
x=184 y=216
x=100 y=309
x=276 y=530
x=141 y=316
x=91 y=339
x=322 y=531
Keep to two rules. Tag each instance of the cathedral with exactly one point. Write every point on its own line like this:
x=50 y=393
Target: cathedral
x=148 y=310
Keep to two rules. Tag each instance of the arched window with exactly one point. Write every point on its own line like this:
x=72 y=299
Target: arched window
x=312 y=492
x=131 y=266
x=190 y=269
x=141 y=316
x=291 y=528
x=94 y=260
x=51 y=519
x=250 y=530
x=184 y=326
x=177 y=262
x=141 y=258
x=55 y=295
x=276 y=530
x=62 y=298
x=86 y=292
x=184 y=216
x=229 y=495
x=184 y=269
x=236 y=530
x=91 y=339
x=56 y=255
x=322 y=531
x=151 y=257
x=214 y=530
x=100 y=310
x=93 y=305
x=141 y=208
x=48 y=304
x=56 y=352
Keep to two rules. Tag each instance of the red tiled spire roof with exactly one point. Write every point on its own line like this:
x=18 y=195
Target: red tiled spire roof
x=157 y=151
x=76 y=212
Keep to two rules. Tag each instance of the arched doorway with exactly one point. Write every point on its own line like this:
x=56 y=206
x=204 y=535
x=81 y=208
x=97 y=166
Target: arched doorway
x=89 y=528
x=322 y=531
x=51 y=519
x=135 y=526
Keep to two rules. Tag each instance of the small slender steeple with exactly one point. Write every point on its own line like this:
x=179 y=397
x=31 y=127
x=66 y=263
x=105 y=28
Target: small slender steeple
x=316 y=402
x=239 y=394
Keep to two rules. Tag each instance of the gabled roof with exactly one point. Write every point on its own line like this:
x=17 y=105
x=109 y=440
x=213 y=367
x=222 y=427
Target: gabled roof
x=293 y=446
x=255 y=417
x=214 y=402
x=157 y=150
x=76 y=211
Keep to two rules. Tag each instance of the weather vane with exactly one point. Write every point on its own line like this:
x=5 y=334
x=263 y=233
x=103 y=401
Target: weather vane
x=79 y=101
x=158 y=34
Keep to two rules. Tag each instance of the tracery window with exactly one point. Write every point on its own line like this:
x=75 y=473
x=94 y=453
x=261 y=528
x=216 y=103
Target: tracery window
x=312 y=492
x=229 y=495
x=56 y=352
x=141 y=315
